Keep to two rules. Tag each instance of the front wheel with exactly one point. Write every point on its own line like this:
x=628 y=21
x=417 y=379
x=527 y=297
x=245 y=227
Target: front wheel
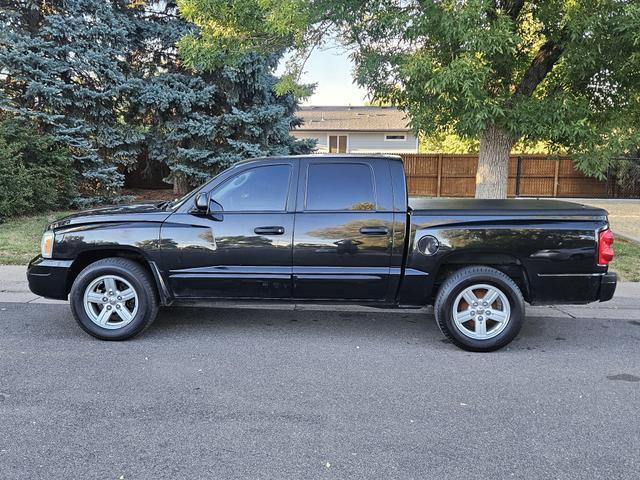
x=479 y=309
x=114 y=299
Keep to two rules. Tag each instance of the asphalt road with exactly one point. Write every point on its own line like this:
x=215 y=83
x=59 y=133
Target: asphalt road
x=272 y=394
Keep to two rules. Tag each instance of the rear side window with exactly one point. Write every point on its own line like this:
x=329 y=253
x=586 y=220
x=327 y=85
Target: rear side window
x=259 y=189
x=340 y=186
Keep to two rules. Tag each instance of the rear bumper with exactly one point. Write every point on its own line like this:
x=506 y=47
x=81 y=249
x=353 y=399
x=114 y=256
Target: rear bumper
x=608 y=286
x=48 y=277
x=567 y=288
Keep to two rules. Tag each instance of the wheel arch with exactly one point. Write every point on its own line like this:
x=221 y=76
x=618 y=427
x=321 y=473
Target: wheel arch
x=87 y=257
x=508 y=264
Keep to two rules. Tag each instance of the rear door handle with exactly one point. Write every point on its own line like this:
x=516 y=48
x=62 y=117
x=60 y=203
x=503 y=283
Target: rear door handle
x=374 y=230
x=271 y=230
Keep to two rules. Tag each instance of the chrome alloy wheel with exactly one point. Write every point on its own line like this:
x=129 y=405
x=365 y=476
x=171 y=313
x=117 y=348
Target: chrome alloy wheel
x=481 y=311
x=110 y=302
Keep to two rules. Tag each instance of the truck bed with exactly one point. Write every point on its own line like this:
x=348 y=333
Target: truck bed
x=512 y=207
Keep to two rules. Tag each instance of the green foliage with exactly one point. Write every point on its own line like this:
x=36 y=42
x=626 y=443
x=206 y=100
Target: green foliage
x=450 y=142
x=69 y=70
x=627 y=175
x=617 y=138
x=200 y=127
x=36 y=174
x=230 y=30
x=562 y=72
x=104 y=79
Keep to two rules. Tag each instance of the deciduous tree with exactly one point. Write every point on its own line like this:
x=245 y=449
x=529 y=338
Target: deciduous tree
x=565 y=72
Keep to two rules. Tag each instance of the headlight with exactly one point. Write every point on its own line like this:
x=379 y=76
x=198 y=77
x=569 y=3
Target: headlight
x=46 y=246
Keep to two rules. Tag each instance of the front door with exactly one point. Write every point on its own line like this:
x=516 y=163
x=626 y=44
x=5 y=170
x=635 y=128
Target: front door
x=245 y=250
x=343 y=240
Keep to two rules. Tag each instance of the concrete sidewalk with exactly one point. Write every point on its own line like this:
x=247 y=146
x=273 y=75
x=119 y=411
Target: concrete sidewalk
x=625 y=304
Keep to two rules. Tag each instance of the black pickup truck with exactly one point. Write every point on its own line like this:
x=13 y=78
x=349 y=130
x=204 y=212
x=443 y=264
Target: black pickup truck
x=330 y=228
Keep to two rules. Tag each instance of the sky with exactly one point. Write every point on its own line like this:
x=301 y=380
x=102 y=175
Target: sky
x=332 y=70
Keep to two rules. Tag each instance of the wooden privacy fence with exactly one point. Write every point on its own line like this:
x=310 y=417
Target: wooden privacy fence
x=454 y=175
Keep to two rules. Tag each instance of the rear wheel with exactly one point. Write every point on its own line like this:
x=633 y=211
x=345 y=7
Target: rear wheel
x=114 y=299
x=479 y=309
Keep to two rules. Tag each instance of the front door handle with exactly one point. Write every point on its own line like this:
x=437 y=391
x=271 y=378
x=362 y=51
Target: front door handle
x=374 y=230
x=271 y=230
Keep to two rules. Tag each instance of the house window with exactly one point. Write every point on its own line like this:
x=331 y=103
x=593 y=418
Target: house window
x=395 y=137
x=337 y=144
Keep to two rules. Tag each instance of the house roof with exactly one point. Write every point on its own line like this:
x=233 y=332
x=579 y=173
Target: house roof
x=353 y=119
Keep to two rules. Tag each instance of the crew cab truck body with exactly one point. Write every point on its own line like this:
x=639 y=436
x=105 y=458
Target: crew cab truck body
x=337 y=229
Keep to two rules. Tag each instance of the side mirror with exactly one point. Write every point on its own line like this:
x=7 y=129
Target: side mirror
x=215 y=207
x=205 y=206
x=202 y=202
x=215 y=210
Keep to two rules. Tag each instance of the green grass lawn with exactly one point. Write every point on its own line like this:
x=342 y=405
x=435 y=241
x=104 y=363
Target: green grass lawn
x=20 y=237
x=624 y=217
x=626 y=262
x=20 y=242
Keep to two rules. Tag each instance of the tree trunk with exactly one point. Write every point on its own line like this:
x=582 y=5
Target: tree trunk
x=180 y=185
x=493 y=163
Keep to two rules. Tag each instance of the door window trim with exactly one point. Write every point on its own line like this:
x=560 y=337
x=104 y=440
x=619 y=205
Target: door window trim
x=288 y=200
x=338 y=210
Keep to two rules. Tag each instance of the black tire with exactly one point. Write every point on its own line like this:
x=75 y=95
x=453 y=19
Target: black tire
x=138 y=278
x=455 y=285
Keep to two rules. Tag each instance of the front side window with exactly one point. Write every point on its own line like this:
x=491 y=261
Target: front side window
x=258 y=189
x=340 y=186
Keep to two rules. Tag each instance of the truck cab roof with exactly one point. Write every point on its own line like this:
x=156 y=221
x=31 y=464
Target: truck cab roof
x=328 y=156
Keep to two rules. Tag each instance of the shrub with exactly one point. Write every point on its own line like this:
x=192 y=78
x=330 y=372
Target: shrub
x=36 y=174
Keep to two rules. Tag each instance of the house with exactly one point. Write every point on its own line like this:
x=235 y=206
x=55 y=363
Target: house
x=357 y=129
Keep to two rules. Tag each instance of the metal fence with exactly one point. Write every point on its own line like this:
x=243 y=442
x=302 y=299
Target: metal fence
x=454 y=175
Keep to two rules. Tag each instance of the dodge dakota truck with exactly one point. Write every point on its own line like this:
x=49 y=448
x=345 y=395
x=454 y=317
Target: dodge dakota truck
x=332 y=229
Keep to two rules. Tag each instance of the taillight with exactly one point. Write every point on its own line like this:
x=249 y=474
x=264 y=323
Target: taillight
x=605 y=247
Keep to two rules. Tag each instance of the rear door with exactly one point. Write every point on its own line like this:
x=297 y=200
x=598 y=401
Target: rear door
x=343 y=234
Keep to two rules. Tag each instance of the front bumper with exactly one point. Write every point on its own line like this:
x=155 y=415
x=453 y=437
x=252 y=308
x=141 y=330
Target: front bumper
x=608 y=286
x=49 y=277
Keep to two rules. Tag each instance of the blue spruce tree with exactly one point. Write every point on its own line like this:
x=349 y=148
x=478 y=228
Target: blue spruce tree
x=67 y=68
x=104 y=78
